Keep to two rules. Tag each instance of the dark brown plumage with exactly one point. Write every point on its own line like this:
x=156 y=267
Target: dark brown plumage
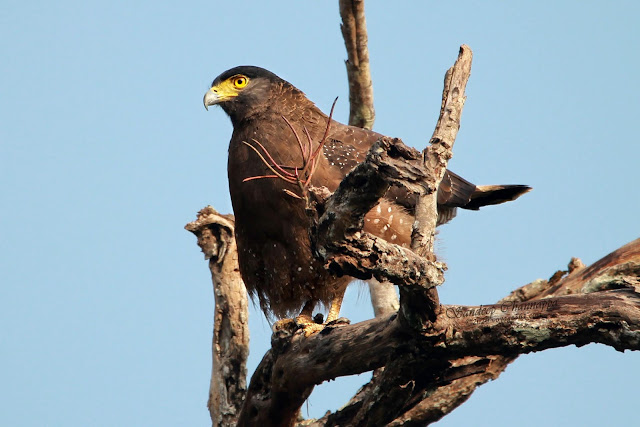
x=274 y=251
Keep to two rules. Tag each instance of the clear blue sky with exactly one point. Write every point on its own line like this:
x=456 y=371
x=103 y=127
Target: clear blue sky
x=106 y=152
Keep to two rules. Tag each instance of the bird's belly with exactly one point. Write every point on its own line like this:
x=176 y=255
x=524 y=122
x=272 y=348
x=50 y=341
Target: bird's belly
x=274 y=249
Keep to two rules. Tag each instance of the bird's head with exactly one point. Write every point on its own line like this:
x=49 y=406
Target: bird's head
x=243 y=90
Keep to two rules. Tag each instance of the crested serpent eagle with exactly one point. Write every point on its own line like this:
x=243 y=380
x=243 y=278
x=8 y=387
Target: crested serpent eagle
x=272 y=121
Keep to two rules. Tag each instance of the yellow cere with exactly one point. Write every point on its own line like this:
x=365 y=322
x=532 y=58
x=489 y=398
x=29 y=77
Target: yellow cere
x=230 y=87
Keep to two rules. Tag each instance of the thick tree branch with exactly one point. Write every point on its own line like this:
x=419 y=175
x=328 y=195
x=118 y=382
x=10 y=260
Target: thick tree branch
x=435 y=371
x=623 y=263
x=437 y=400
x=607 y=317
x=230 y=345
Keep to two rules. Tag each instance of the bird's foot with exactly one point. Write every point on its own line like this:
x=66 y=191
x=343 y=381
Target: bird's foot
x=312 y=326
x=304 y=323
x=309 y=325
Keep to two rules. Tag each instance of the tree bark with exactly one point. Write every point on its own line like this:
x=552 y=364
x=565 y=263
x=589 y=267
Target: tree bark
x=230 y=346
x=354 y=32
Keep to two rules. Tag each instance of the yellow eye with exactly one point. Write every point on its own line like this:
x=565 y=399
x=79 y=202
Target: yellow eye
x=240 y=81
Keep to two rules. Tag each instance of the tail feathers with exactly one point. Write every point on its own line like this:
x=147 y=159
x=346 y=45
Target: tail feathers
x=485 y=195
x=454 y=191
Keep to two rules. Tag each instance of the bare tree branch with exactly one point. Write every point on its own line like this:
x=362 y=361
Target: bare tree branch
x=419 y=308
x=354 y=32
x=230 y=344
x=439 y=151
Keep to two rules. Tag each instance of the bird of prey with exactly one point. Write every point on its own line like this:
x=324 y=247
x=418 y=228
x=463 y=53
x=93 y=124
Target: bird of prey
x=272 y=121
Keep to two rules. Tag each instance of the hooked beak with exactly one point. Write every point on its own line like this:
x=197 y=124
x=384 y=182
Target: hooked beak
x=211 y=98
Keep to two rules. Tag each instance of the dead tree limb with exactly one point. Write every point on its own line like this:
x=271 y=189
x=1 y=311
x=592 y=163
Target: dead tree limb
x=439 y=151
x=429 y=373
x=433 y=402
x=419 y=308
x=354 y=32
x=230 y=344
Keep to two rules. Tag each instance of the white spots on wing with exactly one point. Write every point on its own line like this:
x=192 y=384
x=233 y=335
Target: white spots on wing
x=385 y=228
x=299 y=268
x=401 y=221
x=379 y=209
x=390 y=218
x=341 y=155
x=377 y=220
x=389 y=209
x=394 y=237
x=368 y=220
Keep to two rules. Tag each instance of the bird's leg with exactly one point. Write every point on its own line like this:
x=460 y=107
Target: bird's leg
x=302 y=321
x=305 y=319
x=334 y=309
x=306 y=315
